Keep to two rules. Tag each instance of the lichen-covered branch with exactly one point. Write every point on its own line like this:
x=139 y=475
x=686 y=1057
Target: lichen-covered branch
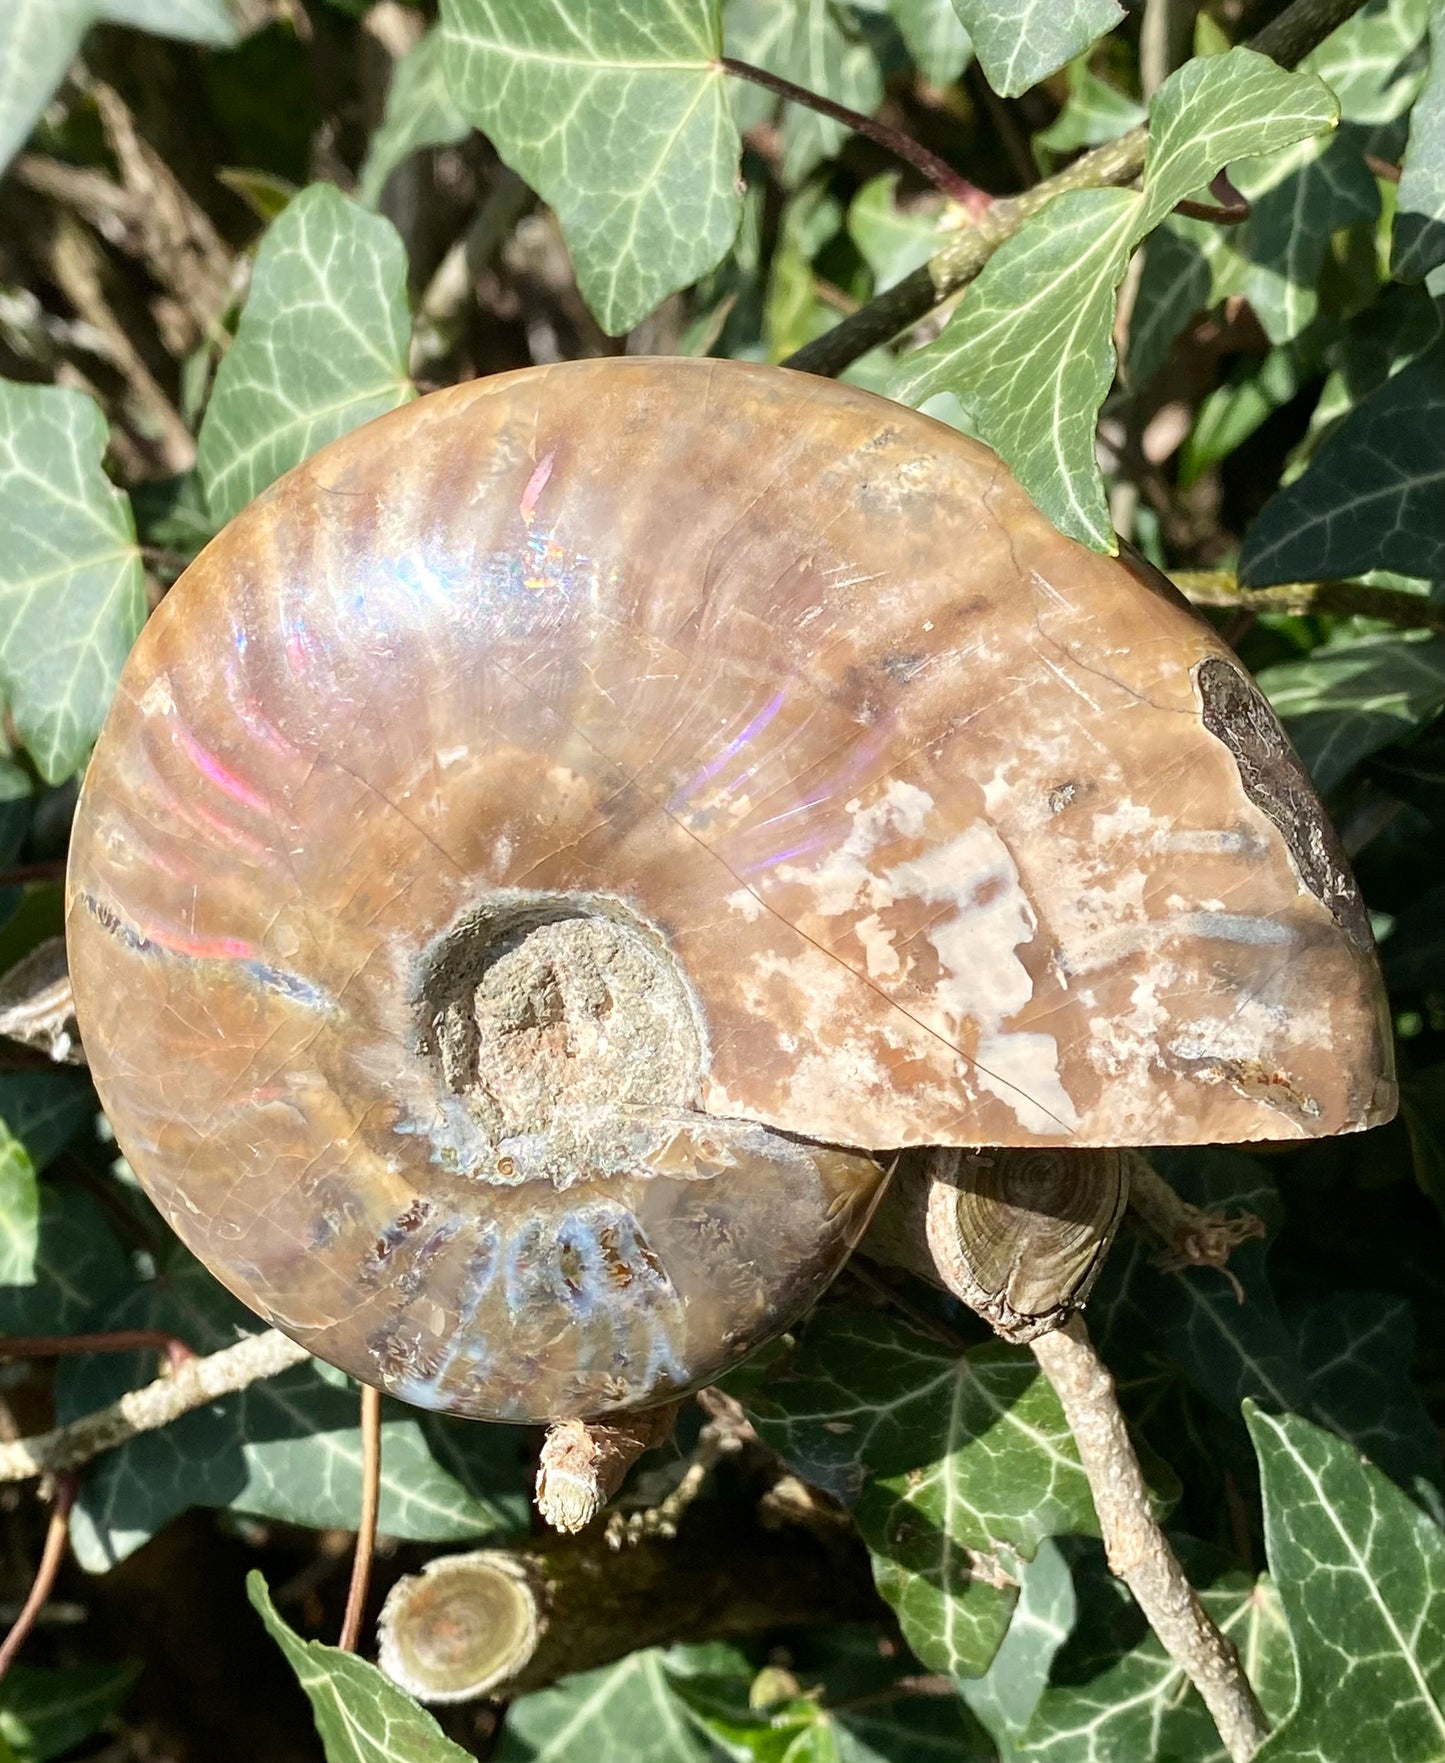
x=1287 y=39
x=502 y=1622
x=157 y=1404
x=1137 y=1548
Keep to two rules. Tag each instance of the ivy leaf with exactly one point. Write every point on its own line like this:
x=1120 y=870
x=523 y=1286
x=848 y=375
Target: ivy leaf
x=1301 y=198
x=1418 y=246
x=72 y=590
x=40 y=38
x=19 y=1212
x=1357 y=1348
x=1030 y=352
x=974 y=1462
x=619 y=118
x=1117 y=1697
x=817 y=45
x=361 y=1716
x=934 y=37
x=420 y=112
x=288 y=1447
x=1093 y=112
x=1020 y=42
x=1005 y=1697
x=622 y=1713
x=1361 y=1573
x=79 y=1270
x=321 y=346
x=45 y=1109
x=1192 y=1315
x=1349 y=699
x=1373 y=497
x=891 y=240
x=46 y=1711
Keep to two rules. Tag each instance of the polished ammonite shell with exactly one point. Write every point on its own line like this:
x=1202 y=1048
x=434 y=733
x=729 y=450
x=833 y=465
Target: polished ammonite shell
x=547 y=844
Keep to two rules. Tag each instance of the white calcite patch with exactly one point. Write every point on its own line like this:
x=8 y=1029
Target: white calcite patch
x=982 y=981
x=843 y=879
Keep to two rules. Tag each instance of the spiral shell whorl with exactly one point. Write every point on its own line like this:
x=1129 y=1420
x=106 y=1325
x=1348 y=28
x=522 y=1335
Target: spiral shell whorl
x=757 y=688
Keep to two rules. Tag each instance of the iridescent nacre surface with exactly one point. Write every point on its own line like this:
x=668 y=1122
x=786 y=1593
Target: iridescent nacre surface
x=546 y=826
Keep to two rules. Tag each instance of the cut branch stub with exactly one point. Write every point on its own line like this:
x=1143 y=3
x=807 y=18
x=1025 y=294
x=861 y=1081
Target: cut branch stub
x=545 y=849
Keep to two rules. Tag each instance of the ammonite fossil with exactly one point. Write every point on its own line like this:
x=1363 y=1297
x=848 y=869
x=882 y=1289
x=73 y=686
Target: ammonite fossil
x=550 y=851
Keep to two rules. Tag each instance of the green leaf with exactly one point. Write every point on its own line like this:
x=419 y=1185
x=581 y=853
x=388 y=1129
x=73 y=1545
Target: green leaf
x=1349 y=699
x=47 y=1710
x=1020 y=42
x=79 y=1271
x=1373 y=497
x=361 y=1716
x=1030 y=351
x=45 y=1109
x=817 y=45
x=1005 y=1697
x=19 y=1212
x=1357 y=1349
x=288 y=1447
x=420 y=112
x=1418 y=246
x=934 y=37
x=1302 y=198
x=891 y=240
x=321 y=346
x=1117 y=1697
x=40 y=38
x=973 y=1460
x=72 y=590
x=1361 y=1573
x=622 y=1713
x=618 y=117
x=1093 y=112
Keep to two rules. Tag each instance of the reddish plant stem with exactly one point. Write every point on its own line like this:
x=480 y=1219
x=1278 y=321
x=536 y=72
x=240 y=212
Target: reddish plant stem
x=115 y=1340
x=366 y=1530
x=57 y=1533
x=938 y=172
x=19 y=873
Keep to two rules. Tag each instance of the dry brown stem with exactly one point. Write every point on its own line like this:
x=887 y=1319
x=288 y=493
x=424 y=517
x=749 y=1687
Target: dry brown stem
x=366 y=1529
x=1137 y=1549
x=57 y=1533
x=1192 y=1236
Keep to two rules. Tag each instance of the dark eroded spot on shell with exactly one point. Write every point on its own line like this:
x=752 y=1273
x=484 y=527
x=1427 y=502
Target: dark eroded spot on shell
x=1237 y=713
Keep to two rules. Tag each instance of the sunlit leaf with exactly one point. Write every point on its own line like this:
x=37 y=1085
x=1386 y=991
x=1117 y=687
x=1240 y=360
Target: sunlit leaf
x=618 y=116
x=1030 y=351
x=321 y=346
x=72 y=590
x=1020 y=42
x=815 y=44
x=1361 y=1573
x=420 y=112
x=361 y=1716
x=40 y=38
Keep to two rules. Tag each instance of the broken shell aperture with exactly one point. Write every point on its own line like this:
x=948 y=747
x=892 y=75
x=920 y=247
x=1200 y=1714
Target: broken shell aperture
x=542 y=847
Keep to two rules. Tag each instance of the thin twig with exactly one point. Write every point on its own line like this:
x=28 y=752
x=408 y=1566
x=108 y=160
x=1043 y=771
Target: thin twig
x=1138 y=1551
x=155 y=1405
x=18 y=874
x=938 y=172
x=366 y=1530
x=57 y=1533
x=1220 y=587
x=1287 y=40
x=114 y=1340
